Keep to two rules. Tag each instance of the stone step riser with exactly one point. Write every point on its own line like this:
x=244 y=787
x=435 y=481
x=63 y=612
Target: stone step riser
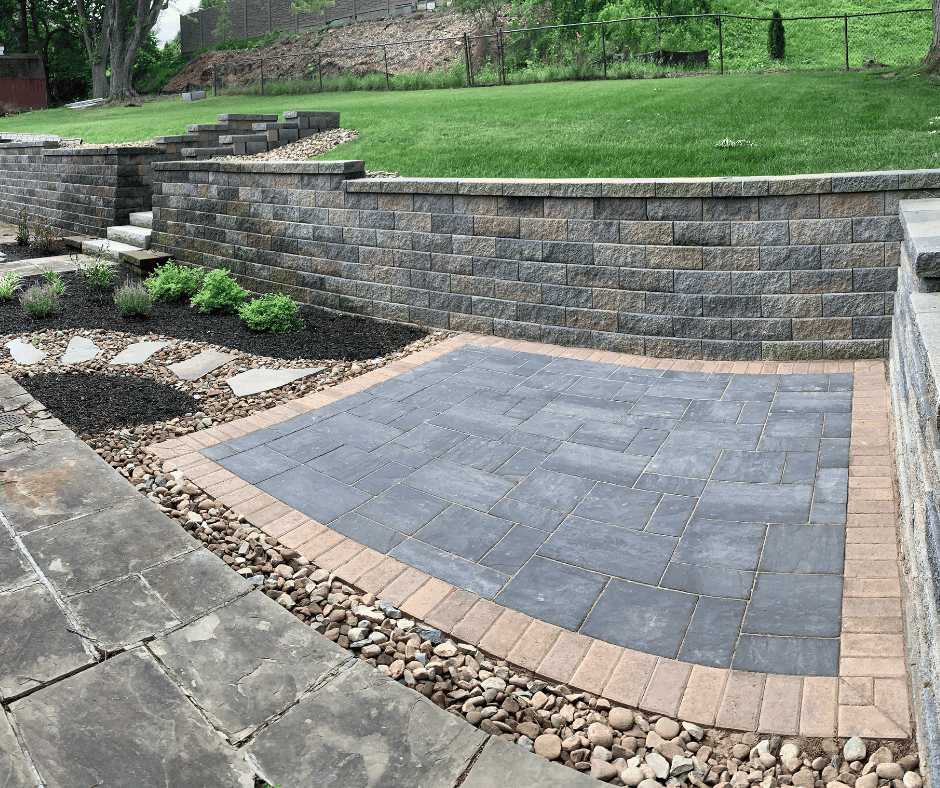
x=132 y=236
x=142 y=219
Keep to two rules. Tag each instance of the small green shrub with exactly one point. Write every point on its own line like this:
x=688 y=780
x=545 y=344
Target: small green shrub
x=97 y=274
x=133 y=300
x=219 y=293
x=23 y=235
x=274 y=313
x=55 y=281
x=171 y=282
x=8 y=284
x=40 y=300
x=45 y=239
x=776 y=42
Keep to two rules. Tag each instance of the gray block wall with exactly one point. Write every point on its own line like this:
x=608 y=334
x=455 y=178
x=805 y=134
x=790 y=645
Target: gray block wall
x=78 y=190
x=777 y=268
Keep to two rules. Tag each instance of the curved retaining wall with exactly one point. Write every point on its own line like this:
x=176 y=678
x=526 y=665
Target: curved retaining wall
x=774 y=268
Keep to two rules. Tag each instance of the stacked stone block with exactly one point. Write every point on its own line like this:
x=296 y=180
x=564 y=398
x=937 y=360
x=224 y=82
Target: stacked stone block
x=774 y=268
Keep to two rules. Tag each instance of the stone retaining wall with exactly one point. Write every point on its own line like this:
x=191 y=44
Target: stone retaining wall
x=775 y=268
x=78 y=190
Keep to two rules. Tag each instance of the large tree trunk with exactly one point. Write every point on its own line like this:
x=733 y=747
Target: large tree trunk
x=22 y=32
x=97 y=47
x=932 y=61
x=126 y=40
x=99 y=77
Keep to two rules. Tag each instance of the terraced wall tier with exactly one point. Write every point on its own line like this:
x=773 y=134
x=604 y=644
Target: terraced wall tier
x=774 y=268
x=78 y=190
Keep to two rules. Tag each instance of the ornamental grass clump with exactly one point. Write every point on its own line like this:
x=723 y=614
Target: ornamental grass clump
x=9 y=282
x=55 y=281
x=40 y=300
x=172 y=282
x=45 y=238
x=98 y=274
x=23 y=234
x=133 y=300
x=219 y=293
x=274 y=313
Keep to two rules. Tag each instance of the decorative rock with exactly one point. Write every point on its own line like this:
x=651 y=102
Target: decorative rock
x=740 y=751
x=869 y=780
x=694 y=730
x=889 y=771
x=79 y=349
x=909 y=762
x=138 y=352
x=600 y=735
x=804 y=778
x=650 y=784
x=602 y=770
x=599 y=754
x=446 y=650
x=548 y=745
x=528 y=729
x=740 y=780
x=680 y=765
x=494 y=683
x=911 y=780
x=788 y=752
x=620 y=719
x=854 y=750
x=24 y=353
x=254 y=381
x=667 y=728
x=881 y=755
x=632 y=776
x=669 y=750
x=658 y=764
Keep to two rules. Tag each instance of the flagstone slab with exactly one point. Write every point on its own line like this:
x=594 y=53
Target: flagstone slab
x=14 y=772
x=502 y=763
x=80 y=349
x=36 y=642
x=138 y=352
x=14 y=568
x=255 y=381
x=124 y=724
x=24 y=353
x=364 y=729
x=225 y=660
x=202 y=364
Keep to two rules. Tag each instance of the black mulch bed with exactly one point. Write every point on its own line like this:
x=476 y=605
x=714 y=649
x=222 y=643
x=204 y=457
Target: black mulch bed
x=16 y=252
x=94 y=402
x=328 y=335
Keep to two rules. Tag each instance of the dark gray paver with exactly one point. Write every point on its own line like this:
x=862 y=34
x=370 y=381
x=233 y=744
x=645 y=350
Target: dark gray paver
x=37 y=644
x=124 y=724
x=502 y=763
x=14 y=770
x=257 y=464
x=138 y=536
x=14 y=568
x=121 y=613
x=802 y=655
x=246 y=662
x=366 y=730
x=511 y=474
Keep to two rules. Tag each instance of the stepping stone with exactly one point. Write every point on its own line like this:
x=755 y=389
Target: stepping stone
x=138 y=353
x=79 y=349
x=197 y=366
x=24 y=353
x=254 y=381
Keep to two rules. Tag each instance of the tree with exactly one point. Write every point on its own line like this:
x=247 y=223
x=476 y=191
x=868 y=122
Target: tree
x=97 y=45
x=932 y=61
x=776 y=42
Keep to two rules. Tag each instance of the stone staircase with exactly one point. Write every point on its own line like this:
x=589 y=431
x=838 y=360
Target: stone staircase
x=128 y=244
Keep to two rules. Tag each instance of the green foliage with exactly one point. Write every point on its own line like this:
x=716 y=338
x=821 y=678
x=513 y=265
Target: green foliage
x=274 y=313
x=22 y=228
x=776 y=42
x=133 y=300
x=171 y=282
x=258 y=42
x=97 y=274
x=219 y=293
x=55 y=281
x=45 y=237
x=8 y=284
x=40 y=300
x=155 y=67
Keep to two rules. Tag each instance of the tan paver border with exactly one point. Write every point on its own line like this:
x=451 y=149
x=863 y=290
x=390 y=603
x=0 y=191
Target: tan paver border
x=870 y=696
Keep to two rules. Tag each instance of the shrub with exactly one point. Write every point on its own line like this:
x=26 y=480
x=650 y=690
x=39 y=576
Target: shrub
x=55 y=281
x=22 y=229
x=273 y=313
x=45 y=238
x=219 y=293
x=97 y=274
x=776 y=43
x=133 y=300
x=8 y=283
x=40 y=300
x=171 y=282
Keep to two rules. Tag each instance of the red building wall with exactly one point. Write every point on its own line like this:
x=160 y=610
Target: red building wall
x=23 y=81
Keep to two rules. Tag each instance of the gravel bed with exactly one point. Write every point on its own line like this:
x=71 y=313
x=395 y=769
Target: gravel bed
x=327 y=335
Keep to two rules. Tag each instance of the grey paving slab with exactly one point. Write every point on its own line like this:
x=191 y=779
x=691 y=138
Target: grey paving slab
x=79 y=349
x=801 y=656
x=502 y=763
x=363 y=729
x=247 y=662
x=121 y=613
x=138 y=536
x=257 y=464
x=520 y=475
x=37 y=642
x=195 y=582
x=25 y=353
x=795 y=605
x=137 y=353
x=14 y=769
x=256 y=381
x=125 y=724
x=201 y=364
x=15 y=570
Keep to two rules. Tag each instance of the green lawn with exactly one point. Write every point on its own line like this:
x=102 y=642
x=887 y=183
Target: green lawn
x=798 y=122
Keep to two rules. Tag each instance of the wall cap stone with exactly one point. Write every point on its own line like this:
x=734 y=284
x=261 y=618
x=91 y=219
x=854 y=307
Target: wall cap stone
x=920 y=220
x=275 y=167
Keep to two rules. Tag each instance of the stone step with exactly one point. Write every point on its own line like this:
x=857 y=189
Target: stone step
x=110 y=250
x=142 y=261
x=131 y=235
x=76 y=241
x=142 y=219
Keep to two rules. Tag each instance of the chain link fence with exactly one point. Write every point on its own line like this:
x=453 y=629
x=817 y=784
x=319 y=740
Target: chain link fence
x=608 y=49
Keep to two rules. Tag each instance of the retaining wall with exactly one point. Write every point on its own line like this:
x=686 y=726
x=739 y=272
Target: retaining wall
x=80 y=190
x=776 y=268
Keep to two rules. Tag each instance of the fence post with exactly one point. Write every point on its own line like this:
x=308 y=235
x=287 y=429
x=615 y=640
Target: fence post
x=499 y=55
x=385 y=56
x=721 y=46
x=846 y=42
x=262 y=76
x=320 y=70
x=466 y=52
x=604 y=50
x=215 y=80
